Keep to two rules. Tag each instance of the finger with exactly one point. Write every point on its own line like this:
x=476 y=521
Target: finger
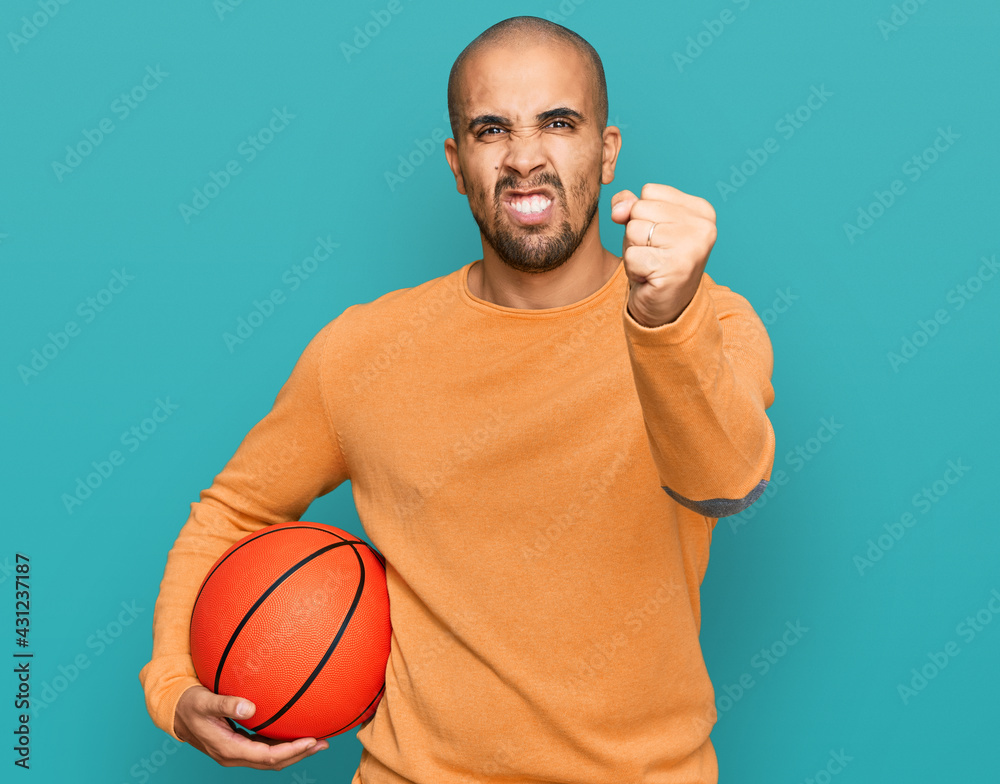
x=299 y=757
x=254 y=737
x=661 y=192
x=307 y=751
x=654 y=224
x=270 y=755
x=621 y=205
x=239 y=747
x=658 y=192
x=224 y=706
x=665 y=235
x=256 y=751
x=661 y=211
x=642 y=262
x=637 y=234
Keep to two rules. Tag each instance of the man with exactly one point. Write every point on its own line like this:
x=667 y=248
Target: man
x=539 y=443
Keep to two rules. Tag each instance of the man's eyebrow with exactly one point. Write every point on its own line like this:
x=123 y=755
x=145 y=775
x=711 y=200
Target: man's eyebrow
x=496 y=119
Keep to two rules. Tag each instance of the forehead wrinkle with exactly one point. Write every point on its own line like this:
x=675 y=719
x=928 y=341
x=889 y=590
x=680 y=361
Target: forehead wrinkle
x=476 y=81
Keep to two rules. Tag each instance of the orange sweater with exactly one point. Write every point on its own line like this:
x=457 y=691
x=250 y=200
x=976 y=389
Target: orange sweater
x=543 y=485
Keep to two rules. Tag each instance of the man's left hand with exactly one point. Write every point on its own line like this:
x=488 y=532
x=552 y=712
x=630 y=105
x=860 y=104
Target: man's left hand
x=663 y=275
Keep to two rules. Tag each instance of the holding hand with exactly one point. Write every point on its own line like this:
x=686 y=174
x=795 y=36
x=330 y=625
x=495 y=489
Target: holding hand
x=200 y=719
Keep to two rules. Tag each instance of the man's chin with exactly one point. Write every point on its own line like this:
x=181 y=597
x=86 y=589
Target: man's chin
x=527 y=262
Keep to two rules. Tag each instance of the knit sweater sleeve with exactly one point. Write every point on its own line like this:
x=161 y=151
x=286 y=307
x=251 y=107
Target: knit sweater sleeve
x=289 y=458
x=704 y=382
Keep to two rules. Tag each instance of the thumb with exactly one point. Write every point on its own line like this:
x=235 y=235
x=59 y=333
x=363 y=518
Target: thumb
x=621 y=205
x=233 y=707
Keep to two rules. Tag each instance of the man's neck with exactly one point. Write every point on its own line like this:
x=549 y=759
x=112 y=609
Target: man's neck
x=582 y=275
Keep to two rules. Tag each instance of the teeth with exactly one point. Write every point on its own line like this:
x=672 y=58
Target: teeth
x=531 y=204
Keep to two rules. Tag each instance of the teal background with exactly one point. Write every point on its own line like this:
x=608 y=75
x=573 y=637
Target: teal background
x=846 y=303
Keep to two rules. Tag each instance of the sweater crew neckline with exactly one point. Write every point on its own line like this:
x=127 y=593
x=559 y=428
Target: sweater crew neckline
x=572 y=308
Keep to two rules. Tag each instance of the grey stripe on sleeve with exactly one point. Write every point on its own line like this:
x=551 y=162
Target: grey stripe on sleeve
x=719 y=507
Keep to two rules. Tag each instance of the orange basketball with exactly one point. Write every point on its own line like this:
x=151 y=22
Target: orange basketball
x=295 y=617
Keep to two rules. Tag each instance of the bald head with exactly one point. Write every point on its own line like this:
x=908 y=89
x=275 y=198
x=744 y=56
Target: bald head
x=518 y=32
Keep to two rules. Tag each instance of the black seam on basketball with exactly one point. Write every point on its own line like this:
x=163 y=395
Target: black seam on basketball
x=246 y=618
x=378 y=694
x=382 y=687
x=333 y=646
x=272 y=531
x=351 y=723
x=377 y=554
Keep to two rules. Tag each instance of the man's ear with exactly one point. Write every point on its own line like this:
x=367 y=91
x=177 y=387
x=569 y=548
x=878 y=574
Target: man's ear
x=612 y=141
x=451 y=153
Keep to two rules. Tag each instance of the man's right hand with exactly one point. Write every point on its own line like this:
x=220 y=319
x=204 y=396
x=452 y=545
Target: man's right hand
x=200 y=721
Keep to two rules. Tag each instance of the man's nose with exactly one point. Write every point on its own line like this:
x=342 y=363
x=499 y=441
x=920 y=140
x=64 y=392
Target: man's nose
x=525 y=151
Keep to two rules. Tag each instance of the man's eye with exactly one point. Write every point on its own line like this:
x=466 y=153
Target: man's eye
x=484 y=132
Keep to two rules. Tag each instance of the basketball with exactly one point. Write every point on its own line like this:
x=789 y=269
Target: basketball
x=295 y=618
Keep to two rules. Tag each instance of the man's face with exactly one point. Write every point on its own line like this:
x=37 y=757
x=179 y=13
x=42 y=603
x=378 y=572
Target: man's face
x=559 y=154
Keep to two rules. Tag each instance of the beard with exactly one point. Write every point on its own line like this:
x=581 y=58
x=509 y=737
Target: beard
x=535 y=248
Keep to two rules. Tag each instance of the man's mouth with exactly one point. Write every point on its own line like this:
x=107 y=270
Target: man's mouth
x=529 y=209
